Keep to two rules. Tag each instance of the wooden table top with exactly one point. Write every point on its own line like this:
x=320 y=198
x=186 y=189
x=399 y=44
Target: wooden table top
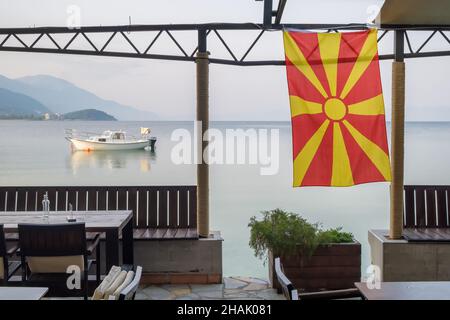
x=95 y=221
x=22 y=293
x=428 y=290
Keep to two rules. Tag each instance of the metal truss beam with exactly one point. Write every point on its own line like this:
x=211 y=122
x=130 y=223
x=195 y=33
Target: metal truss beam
x=280 y=11
x=183 y=53
x=181 y=27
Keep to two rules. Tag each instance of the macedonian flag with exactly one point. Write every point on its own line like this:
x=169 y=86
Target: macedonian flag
x=337 y=108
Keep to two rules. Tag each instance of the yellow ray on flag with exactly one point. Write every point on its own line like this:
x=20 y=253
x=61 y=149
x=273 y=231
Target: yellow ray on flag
x=342 y=172
x=370 y=107
x=378 y=157
x=306 y=155
x=329 y=45
x=300 y=106
x=295 y=55
x=368 y=52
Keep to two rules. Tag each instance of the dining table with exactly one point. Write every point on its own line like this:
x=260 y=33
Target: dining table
x=22 y=293
x=113 y=224
x=410 y=290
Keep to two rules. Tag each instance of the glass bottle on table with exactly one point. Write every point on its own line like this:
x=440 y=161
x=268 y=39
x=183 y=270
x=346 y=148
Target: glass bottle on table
x=46 y=206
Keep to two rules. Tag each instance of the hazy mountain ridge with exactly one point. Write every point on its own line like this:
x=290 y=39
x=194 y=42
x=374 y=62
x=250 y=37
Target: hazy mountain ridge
x=13 y=105
x=61 y=96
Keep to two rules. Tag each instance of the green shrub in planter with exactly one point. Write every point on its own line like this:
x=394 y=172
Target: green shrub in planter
x=287 y=233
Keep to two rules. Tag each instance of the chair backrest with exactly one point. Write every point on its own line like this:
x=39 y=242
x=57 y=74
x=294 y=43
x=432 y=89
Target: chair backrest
x=288 y=289
x=2 y=242
x=3 y=258
x=130 y=291
x=52 y=240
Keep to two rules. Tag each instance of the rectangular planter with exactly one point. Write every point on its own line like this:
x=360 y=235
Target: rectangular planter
x=331 y=267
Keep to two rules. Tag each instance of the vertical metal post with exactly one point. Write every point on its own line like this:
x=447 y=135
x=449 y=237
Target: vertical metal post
x=268 y=7
x=202 y=63
x=397 y=136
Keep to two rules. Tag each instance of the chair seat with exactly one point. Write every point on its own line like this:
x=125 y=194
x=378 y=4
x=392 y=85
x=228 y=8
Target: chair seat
x=52 y=277
x=56 y=282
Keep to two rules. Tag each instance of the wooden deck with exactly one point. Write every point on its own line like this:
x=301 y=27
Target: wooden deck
x=426 y=213
x=159 y=212
x=427 y=234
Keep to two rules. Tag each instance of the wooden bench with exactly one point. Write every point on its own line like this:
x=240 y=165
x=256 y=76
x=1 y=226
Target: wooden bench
x=159 y=212
x=426 y=213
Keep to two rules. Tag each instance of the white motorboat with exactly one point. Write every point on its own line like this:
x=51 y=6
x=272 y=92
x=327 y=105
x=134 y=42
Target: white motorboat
x=109 y=140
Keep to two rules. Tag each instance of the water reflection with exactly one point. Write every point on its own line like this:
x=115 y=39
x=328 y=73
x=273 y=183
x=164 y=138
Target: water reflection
x=111 y=160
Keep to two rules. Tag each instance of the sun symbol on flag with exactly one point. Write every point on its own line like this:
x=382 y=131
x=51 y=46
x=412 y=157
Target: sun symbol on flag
x=337 y=108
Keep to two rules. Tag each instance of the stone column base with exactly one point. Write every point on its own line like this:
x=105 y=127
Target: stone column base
x=400 y=260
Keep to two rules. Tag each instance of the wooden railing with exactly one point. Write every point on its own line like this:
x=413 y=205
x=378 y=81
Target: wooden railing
x=152 y=206
x=426 y=206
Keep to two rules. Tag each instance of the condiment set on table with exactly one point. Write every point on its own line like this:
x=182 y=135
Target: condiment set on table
x=46 y=209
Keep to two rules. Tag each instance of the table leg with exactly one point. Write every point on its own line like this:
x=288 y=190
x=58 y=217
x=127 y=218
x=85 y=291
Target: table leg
x=112 y=249
x=127 y=243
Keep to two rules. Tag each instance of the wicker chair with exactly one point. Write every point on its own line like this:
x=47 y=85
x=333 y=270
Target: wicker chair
x=7 y=267
x=48 y=250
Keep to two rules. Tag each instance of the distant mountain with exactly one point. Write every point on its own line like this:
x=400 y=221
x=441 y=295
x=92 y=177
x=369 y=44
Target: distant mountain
x=17 y=105
x=88 y=114
x=61 y=96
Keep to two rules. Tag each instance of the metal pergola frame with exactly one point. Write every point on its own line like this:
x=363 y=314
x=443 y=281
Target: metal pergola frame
x=204 y=31
x=271 y=22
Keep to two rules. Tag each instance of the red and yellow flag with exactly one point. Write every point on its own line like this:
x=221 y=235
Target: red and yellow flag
x=337 y=108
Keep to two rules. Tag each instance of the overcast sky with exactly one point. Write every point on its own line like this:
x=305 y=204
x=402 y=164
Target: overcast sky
x=237 y=93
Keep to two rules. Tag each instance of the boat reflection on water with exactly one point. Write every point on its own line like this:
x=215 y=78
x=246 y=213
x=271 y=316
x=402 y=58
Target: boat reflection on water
x=139 y=160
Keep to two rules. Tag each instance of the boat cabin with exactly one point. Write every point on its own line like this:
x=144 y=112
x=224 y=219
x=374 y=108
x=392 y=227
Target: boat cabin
x=110 y=136
x=118 y=136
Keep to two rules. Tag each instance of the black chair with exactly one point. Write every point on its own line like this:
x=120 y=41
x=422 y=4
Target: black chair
x=7 y=267
x=47 y=251
x=291 y=293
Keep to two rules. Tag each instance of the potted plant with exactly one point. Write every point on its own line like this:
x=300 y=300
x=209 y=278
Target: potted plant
x=313 y=259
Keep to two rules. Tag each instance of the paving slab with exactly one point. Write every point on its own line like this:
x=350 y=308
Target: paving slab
x=233 y=288
x=232 y=283
x=158 y=293
x=252 y=280
x=206 y=287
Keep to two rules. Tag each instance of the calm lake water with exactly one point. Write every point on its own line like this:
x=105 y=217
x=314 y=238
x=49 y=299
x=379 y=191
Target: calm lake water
x=36 y=153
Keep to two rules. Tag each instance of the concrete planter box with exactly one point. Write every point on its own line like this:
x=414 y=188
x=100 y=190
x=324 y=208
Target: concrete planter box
x=400 y=260
x=334 y=266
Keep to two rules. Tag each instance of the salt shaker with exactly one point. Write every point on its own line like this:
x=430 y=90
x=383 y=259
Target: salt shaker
x=70 y=217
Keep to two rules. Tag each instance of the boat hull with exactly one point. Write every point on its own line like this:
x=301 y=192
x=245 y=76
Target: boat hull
x=107 y=146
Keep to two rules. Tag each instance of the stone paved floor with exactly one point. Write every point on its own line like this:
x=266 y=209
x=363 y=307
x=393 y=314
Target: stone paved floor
x=233 y=288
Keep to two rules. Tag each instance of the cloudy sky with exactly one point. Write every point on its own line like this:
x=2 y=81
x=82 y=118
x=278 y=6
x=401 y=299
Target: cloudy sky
x=237 y=93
